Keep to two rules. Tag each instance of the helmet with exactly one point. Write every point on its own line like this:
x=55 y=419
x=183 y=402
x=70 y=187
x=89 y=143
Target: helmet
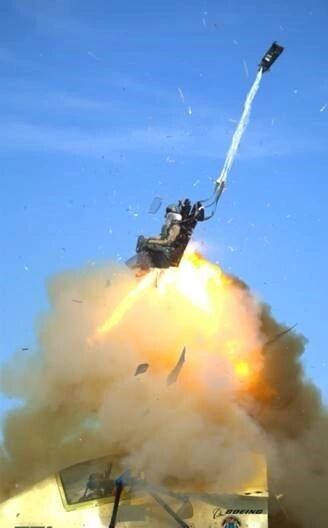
x=173 y=208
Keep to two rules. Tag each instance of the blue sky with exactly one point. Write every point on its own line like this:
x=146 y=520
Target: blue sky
x=106 y=104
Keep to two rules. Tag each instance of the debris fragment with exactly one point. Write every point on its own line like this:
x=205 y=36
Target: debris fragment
x=196 y=183
x=93 y=55
x=173 y=376
x=24 y=349
x=155 y=205
x=132 y=211
x=143 y=367
x=245 y=68
x=181 y=95
x=278 y=336
x=159 y=274
x=204 y=19
x=77 y=301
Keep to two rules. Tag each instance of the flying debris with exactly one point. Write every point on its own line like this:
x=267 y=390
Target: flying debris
x=141 y=369
x=270 y=57
x=181 y=94
x=173 y=376
x=167 y=249
x=93 y=55
x=170 y=160
x=245 y=68
x=278 y=336
x=155 y=205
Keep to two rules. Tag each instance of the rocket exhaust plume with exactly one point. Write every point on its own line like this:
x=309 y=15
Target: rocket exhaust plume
x=266 y=62
x=240 y=130
x=233 y=394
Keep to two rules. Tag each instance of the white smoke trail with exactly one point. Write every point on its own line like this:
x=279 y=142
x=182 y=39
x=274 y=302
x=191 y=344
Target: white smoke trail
x=240 y=129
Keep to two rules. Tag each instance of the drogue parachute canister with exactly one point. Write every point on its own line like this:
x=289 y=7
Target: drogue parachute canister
x=270 y=57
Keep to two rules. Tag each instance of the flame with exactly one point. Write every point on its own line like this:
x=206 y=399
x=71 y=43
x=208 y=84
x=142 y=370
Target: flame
x=197 y=292
x=242 y=369
x=195 y=279
x=125 y=305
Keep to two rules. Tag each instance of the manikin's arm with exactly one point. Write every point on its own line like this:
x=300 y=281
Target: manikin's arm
x=173 y=234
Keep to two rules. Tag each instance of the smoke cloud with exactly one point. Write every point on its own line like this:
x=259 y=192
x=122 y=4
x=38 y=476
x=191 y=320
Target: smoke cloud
x=235 y=394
